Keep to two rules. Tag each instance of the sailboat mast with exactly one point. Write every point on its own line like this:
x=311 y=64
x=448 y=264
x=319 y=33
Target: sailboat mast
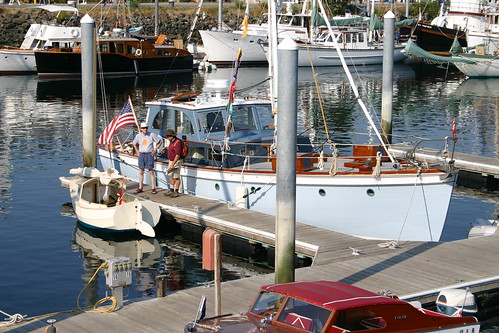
x=352 y=83
x=272 y=27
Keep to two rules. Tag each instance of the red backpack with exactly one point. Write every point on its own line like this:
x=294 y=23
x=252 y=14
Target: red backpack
x=185 y=149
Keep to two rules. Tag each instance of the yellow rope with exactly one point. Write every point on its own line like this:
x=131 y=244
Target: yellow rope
x=79 y=309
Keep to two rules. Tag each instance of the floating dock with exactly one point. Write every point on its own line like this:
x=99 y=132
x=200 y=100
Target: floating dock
x=474 y=171
x=411 y=270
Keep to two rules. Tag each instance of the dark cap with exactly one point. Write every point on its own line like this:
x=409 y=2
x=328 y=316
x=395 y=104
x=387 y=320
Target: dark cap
x=170 y=133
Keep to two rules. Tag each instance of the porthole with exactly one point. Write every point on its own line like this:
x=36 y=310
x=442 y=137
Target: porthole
x=370 y=192
x=322 y=192
x=217 y=187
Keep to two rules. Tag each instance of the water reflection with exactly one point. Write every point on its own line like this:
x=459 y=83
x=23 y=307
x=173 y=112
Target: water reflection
x=477 y=106
x=177 y=260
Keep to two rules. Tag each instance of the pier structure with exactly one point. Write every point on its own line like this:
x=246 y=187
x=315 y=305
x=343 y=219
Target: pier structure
x=411 y=270
x=474 y=171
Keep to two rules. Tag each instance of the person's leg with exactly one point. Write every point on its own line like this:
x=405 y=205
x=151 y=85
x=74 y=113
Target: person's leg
x=141 y=181
x=153 y=179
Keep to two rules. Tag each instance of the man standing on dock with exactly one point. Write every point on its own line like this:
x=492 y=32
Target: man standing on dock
x=146 y=144
x=175 y=157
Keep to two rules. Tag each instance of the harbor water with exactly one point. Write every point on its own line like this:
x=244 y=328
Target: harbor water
x=47 y=258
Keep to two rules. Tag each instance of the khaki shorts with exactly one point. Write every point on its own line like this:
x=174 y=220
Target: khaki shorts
x=175 y=173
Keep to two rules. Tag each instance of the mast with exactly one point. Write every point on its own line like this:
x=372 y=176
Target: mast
x=272 y=28
x=352 y=83
x=194 y=23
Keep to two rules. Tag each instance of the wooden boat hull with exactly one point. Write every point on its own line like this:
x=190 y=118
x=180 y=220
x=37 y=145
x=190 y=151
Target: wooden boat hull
x=433 y=38
x=69 y=64
x=326 y=306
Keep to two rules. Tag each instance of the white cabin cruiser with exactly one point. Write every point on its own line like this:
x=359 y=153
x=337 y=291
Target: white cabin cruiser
x=39 y=36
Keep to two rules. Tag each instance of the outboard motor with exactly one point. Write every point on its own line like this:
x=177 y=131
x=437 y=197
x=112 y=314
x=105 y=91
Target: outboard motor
x=456 y=302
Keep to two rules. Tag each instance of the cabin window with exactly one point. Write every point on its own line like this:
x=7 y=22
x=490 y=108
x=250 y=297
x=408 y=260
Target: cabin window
x=130 y=49
x=265 y=116
x=267 y=303
x=120 y=47
x=360 y=36
x=112 y=47
x=159 y=52
x=176 y=120
x=243 y=119
x=103 y=47
x=213 y=121
x=184 y=125
x=359 y=319
x=304 y=315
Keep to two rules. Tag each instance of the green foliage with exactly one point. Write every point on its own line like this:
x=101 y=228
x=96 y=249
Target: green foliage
x=239 y=4
x=134 y=4
x=264 y=5
x=337 y=7
x=429 y=9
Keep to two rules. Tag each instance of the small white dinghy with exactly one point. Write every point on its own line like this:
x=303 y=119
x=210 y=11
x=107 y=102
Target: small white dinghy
x=100 y=201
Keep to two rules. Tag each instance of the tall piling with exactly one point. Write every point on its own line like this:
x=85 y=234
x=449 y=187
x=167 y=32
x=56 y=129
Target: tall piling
x=88 y=89
x=387 y=95
x=286 y=161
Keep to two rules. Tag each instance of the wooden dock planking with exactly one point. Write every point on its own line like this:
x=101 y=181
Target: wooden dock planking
x=411 y=268
x=404 y=270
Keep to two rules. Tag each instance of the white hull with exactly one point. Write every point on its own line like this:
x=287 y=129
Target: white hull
x=341 y=203
x=484 y=66
x=17 y=61
x=221 y=47
x=97 y=210
x=39 y=36
x=321 y=56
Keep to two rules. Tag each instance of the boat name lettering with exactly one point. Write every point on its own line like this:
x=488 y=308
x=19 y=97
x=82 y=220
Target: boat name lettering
x=400 y=317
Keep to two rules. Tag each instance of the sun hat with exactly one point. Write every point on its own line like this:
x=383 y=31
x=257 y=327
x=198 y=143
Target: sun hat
x=143 y=125
x=170 y=133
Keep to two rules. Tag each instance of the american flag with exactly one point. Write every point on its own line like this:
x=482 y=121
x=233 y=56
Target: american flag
x=124 y=118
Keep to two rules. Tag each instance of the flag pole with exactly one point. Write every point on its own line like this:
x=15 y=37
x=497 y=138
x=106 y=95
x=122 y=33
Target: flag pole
x=134 y=116
x=133 y=111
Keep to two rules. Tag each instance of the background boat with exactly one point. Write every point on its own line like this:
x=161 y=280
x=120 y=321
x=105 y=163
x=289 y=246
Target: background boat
x=40 y=36
x=118 y=56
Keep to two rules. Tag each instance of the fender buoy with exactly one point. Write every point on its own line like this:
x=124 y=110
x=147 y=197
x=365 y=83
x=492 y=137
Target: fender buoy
x=138 y=53
x=74 y=32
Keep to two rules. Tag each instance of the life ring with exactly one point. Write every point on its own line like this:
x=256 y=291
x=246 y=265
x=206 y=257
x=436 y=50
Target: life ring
x=74 y=32
x=138 y=53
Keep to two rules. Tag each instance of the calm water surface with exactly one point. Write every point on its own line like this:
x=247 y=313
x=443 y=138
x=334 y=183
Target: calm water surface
x=47 y=259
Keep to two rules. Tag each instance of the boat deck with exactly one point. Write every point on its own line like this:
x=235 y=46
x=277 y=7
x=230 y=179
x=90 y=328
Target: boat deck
x=416 y=268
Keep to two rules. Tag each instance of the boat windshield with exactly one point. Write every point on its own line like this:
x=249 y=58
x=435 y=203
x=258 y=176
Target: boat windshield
x=267 y=303
x=304 y=315
x=173 y=119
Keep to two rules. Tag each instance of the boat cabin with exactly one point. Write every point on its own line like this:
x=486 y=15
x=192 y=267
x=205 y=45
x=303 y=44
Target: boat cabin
x=203 y=120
